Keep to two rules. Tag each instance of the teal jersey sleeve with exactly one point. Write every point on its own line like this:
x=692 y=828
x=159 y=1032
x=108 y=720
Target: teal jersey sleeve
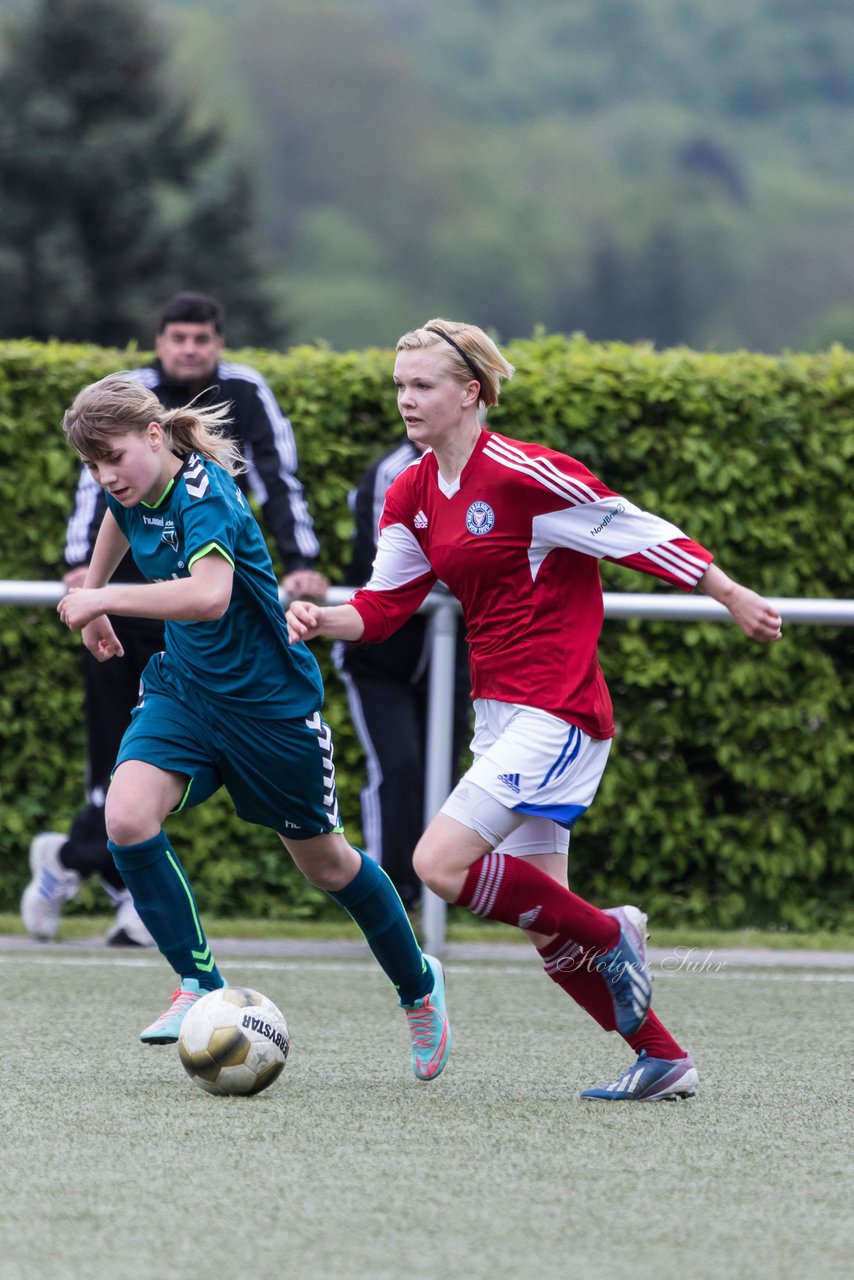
x=243 y=659
x=213 y=512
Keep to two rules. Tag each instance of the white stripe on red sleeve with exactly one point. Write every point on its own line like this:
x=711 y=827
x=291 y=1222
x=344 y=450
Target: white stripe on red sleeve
x=681 y=564
x=542 y=469
x=611 y=527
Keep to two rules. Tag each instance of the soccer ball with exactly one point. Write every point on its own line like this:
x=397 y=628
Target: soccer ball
x=234 y=1041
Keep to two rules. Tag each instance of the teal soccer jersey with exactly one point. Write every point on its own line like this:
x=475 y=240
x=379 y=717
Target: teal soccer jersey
x=242 y=662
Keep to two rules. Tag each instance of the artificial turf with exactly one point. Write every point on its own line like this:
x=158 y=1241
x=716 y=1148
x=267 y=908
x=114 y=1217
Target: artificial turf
x=115 y=1164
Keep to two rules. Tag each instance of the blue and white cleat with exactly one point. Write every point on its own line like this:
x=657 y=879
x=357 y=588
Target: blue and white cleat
x=626 y=972
x=51 y=886
x=650 y=1080
x=167 y=1028
x=429 y=1027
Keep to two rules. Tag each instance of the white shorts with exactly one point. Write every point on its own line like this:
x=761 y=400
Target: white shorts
x=533 y=775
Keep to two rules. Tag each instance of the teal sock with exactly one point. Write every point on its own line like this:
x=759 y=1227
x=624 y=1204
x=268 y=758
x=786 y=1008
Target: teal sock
x=372 y=900
x=162 y=895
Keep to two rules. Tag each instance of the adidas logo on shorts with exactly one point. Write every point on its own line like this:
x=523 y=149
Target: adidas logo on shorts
x=511 y=780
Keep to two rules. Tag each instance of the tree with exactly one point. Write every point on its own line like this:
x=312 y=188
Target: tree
x=114 y=196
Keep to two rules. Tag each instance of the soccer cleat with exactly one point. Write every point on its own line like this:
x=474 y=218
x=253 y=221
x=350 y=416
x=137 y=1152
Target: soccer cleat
x=650 y=1080
x=626 y=972
x=429 y=1027
x=166 y=1028
x=127 y=930
x=51 y=886
x=633 y=921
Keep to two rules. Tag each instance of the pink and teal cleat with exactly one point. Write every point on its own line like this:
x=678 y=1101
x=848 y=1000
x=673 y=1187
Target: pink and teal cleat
x=167 y=1028
x=429 y=1027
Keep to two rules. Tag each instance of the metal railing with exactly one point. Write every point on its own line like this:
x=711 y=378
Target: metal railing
x=444 y=619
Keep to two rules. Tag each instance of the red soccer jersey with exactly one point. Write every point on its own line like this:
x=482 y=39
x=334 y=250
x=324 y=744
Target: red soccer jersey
x=517 y=539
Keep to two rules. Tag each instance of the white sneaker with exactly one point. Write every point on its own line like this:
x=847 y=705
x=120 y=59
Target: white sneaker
x=51 y=887
x=128 y=929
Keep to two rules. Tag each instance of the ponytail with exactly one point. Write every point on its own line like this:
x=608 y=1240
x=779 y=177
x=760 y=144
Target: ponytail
x=117 y=405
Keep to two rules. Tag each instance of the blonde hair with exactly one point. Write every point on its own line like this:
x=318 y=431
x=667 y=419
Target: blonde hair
x=117 y=405
x=471 y=354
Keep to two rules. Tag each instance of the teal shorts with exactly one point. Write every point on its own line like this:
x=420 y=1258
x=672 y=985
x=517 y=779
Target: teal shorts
x=279 y=773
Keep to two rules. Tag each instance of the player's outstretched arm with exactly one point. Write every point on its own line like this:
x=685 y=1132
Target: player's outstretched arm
x=755 y=616
x=306 y=621
x=203 y=597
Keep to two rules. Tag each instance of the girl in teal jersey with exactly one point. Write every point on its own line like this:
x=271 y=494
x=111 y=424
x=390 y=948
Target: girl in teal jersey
x=228 y=703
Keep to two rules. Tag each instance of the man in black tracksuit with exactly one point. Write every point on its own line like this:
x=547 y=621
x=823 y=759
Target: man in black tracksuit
x=189 y=343
x=387 y=688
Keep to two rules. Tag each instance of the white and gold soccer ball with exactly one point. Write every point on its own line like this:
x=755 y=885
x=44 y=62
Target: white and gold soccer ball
x=234 y=1041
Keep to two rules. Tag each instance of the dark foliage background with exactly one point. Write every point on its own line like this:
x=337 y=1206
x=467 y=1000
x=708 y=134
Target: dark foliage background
x=115 y=194
x=631 y=169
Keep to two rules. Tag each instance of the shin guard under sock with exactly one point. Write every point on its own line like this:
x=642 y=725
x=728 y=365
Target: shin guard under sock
x=162 y=895
x=501 y=887
x=372 y=901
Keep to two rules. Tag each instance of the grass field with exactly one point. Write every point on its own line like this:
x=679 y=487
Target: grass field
x=115 y=1165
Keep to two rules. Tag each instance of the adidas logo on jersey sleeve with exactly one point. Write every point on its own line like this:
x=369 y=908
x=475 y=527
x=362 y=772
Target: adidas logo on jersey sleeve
x=420 y=520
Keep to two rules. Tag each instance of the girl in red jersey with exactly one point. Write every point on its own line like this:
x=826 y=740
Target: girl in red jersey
x=515 y=531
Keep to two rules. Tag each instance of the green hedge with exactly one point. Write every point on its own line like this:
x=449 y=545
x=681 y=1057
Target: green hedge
x=727 y=800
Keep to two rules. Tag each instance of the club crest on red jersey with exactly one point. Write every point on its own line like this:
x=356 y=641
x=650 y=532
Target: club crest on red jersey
x=480 y=518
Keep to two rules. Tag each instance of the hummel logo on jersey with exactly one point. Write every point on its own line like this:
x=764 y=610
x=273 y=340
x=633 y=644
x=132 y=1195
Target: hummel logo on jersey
x=420 y=521
x=511 y=780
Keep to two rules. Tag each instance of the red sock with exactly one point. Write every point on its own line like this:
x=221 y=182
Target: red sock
x=501 y=887
x=656 y=1039
x=567 y=964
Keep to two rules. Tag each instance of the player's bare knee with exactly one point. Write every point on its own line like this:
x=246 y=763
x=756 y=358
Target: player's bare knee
x=330 y=878
x=327 y=861
x=423 y=864
x=435 y=872
x=125 y=825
